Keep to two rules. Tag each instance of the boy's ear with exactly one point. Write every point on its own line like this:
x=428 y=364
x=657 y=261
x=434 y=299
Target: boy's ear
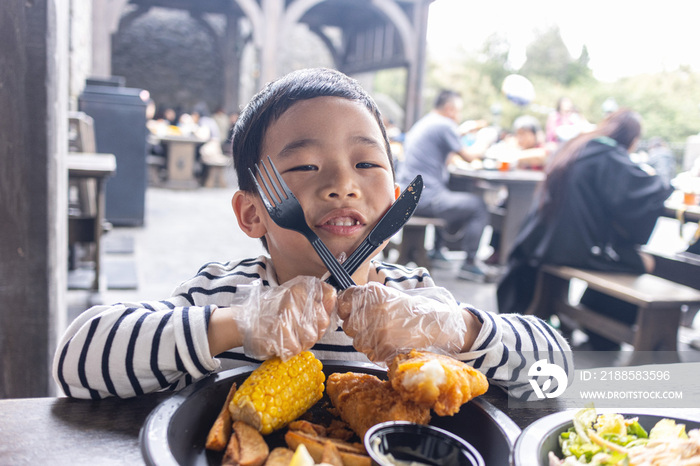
x=247 y=214
x=397 y=191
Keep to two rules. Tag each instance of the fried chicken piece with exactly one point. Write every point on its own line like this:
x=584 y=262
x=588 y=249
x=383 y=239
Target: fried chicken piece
x=340 y=430
x=435 y=381
x=364 y=400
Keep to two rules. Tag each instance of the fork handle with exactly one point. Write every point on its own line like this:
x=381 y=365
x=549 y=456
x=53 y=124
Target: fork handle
x=356 y=259
x=341 y=276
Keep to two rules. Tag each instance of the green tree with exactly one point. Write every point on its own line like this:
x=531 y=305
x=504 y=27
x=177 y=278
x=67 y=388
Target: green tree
x=493 y=59
x=548 y=57
x=669 y=102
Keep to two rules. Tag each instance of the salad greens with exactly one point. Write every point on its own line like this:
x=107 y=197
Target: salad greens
x=608 y=439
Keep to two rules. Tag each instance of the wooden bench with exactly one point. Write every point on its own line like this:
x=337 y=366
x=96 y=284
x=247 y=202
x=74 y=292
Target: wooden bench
x=412 y=247
x=659 y=303
x=215 y=174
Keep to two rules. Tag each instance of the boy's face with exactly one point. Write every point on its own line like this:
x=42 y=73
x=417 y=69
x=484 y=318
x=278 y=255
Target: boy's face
x=331 y=153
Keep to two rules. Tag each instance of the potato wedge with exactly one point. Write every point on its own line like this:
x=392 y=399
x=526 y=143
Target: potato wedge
x=220 y=432
x=280 y=456
x=331 y=455
x=233 y=453
x=352 y=454
x=253 y=448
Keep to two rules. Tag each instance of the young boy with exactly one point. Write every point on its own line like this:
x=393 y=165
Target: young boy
x=325 y=135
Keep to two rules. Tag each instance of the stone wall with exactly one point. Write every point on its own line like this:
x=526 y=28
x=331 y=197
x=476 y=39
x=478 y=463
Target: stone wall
x=174 y=56
x=177 y=58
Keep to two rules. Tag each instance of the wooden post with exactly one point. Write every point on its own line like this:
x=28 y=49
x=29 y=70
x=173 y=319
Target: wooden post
x=416 y=65
x=273 y=10
x=33 y=193
x=232 y=63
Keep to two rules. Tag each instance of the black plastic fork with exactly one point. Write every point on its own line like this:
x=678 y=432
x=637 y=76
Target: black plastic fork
x=285 y=211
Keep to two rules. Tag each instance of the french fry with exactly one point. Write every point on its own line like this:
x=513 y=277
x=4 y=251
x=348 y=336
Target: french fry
x=220 y=432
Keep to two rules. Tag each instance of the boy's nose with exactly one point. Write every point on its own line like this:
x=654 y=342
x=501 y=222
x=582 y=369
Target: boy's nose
x=341 y=185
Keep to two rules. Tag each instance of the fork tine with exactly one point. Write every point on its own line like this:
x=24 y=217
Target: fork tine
x=270 y=186
x=284 y=186
x=261 y=192
x=280 y=182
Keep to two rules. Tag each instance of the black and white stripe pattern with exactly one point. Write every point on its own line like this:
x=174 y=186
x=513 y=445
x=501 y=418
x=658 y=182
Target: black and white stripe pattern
x=128 y=349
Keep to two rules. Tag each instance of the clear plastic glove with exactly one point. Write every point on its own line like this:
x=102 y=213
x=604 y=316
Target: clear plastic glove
x=284 y=320
x=384 y=322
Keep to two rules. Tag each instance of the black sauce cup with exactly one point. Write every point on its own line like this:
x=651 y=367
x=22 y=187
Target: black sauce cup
x=425 y=444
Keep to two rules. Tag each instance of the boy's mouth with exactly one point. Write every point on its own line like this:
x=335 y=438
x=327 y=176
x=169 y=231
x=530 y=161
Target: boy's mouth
x=342 y=222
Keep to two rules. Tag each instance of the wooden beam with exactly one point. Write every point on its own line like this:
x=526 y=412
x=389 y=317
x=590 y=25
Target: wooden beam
x=33 y=189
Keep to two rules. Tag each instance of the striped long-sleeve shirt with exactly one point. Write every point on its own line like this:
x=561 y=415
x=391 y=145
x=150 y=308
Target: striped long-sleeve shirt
x=128 y=349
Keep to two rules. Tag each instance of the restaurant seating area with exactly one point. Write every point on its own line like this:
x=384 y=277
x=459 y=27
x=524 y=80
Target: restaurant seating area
x=88 y=429
x=180 y=256
x=660 y=303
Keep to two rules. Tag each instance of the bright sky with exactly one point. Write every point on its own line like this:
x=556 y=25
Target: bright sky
x=624 y=37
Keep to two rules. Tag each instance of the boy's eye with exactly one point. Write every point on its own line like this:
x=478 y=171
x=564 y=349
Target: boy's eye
x=303 y=168
x=366 y=165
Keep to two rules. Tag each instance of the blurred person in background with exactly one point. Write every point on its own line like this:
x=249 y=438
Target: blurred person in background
x=534 y=151
x=526 y=147
x=565 y=122
x=428 y=148
x=595 y=208
x=210 y=151
x=660 y=157
x=223 y=123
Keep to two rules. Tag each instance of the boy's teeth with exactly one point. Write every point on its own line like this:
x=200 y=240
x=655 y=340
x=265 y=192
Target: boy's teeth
x=345 y=222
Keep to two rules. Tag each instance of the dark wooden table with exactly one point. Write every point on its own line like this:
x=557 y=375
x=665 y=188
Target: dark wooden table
x=506 y=219
x=60 y=431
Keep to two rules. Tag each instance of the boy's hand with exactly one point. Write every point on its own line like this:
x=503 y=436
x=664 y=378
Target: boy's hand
x=384 y=322
x=287 y=319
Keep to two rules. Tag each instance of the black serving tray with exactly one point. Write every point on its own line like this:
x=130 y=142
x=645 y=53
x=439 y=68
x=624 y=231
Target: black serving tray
x=175 y=432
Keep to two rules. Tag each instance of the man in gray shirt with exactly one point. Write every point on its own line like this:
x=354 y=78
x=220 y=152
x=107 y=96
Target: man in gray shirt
x=428 y=147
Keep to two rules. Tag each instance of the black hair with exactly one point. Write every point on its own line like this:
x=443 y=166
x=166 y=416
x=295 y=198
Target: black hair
x=276 y=98
x=445 y=96
x=623 y=127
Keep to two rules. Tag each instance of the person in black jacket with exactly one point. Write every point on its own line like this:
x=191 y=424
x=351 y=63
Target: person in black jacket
x=594 y=209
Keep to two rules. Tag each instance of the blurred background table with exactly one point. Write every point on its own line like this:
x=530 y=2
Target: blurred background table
x=506 y=218
x=181 y=160
x=675 y=207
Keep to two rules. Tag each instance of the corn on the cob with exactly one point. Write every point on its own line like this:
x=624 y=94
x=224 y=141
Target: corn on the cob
x=277 y=392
